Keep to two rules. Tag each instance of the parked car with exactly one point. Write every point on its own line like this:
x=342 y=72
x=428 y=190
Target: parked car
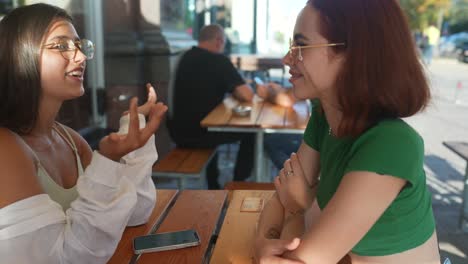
x=450 y=46
x=463 y=53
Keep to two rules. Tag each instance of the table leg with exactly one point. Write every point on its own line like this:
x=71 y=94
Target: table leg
x=258 y=162
x=266 y=167
x=464 y=210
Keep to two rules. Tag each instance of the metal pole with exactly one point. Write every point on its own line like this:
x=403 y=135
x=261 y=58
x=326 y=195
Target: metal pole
x=253 y=47
x=259 y=177
x=94 y=31
x=267 y=25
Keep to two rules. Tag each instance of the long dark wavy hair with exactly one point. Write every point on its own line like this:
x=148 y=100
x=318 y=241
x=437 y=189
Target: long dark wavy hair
x=21 y=36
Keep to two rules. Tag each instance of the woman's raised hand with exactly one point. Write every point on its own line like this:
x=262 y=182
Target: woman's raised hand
x=144 y=109
x=115 y=146
x=152 y=98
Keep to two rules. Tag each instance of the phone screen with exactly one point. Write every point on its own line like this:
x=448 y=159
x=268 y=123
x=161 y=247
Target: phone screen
x=165 y=241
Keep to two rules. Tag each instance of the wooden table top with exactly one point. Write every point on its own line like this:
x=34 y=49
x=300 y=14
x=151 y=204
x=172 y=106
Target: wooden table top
x=264 y=115
x=124 y=251
x=236 y=239
x=235 y=242
x=194 y=209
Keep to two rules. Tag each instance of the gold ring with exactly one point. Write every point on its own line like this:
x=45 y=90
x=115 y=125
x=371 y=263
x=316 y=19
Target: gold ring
x=289 y=173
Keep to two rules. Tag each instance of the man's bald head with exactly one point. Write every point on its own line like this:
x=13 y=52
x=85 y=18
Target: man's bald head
x=211 y=32
x=212 y=38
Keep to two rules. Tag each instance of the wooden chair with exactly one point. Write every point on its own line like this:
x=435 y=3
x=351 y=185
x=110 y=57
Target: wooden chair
x=184 y=163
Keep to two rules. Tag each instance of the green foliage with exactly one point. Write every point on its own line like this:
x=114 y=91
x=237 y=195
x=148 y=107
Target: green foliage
x=5 y=6
x=421 y=13
x=279 y=37
x=458 y=16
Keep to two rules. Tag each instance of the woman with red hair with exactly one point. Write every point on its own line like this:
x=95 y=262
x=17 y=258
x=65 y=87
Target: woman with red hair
x=357 y=185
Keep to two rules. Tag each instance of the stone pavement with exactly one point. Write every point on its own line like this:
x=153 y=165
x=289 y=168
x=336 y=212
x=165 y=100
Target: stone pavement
x=446 y=119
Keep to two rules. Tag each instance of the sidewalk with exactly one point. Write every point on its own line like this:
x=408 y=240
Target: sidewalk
x=446 y=120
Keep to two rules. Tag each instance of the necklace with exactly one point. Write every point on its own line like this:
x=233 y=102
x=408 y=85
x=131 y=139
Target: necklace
x=329 y=131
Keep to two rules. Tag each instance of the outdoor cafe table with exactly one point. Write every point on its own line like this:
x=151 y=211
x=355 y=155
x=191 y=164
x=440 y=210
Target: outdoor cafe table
x=124 y=251
x=200 y=210
x=204 y=211
x=264 y=118
x=235 y=243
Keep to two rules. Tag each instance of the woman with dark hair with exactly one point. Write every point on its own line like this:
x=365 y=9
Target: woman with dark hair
x=60 y=202
x=357 y=185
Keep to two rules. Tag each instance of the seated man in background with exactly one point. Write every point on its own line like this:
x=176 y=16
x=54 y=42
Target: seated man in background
x=203 y=77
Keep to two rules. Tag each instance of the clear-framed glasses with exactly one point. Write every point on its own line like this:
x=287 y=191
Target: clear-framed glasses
x=68 y=47
x=296 y=51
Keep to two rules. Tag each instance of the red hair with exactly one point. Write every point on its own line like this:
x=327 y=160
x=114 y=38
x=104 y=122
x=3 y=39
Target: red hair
x=382 y=76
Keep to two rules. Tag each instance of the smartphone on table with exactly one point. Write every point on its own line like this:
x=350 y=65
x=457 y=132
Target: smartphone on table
x=165 y=241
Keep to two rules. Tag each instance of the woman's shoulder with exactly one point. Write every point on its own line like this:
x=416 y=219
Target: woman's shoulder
x=12 y=144
x=18 y=176
x=393 y=133
x=84 y=150
x=396 y=128
x=77 y=138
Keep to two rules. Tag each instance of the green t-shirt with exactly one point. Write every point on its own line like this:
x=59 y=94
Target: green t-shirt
x=391 y=147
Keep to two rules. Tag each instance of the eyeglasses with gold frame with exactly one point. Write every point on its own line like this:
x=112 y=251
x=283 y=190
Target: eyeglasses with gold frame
x=295 y=51
x=68 y=47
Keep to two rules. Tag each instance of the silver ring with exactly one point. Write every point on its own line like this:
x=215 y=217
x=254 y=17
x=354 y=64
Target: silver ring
x=289 y=173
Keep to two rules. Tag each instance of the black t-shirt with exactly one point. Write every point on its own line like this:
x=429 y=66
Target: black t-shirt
x=201 y=82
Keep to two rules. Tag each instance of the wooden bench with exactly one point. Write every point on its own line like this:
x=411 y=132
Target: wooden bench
x=461 y=149
x=184 y=163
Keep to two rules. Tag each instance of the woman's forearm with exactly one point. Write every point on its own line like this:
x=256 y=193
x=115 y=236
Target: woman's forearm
x=138 y=165
x=138 y=171
x=271 y=219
